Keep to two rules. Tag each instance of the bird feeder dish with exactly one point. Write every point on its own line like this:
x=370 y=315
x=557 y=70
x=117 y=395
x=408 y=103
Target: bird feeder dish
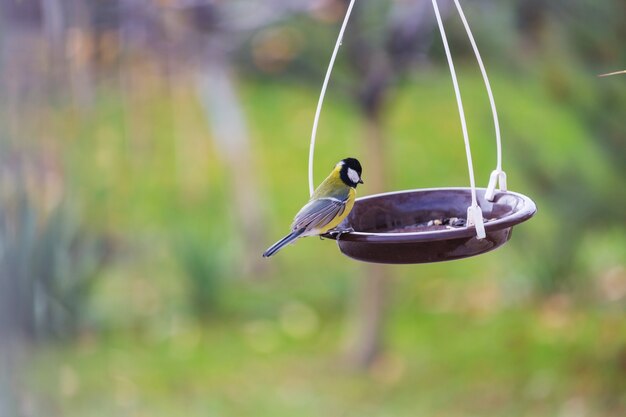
x=408 y=227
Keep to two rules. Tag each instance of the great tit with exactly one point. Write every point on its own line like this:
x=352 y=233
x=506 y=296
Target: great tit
x=331 y=202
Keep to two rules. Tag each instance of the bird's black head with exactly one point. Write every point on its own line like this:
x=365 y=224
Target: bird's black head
x=350 y=172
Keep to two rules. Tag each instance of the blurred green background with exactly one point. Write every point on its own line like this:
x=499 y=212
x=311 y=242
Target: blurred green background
x=151 y=150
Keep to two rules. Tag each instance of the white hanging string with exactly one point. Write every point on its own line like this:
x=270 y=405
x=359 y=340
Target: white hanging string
x=323 y=93
x=498 y=175
x=474 y=213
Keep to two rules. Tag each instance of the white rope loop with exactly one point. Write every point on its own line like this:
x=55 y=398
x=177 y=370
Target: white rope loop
x=323 y=94
x=474 y=213
x=498 y=176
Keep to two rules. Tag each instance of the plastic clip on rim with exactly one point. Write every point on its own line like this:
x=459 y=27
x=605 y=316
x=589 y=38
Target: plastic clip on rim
x=497 y=177
x=474 y=212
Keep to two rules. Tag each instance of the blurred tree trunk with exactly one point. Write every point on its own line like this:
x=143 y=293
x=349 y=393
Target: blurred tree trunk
x=531 y=20
x=8 y=392
x=199 y=25
x=78 y=46
x=224 y=112
x=54 y=24
x=408 y=30
x=375 y=77
x=369 y=311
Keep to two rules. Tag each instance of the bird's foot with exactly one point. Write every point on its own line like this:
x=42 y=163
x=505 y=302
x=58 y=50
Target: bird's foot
x=337 y=233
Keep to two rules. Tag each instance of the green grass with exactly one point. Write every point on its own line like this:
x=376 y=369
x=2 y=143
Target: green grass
x=507 y=363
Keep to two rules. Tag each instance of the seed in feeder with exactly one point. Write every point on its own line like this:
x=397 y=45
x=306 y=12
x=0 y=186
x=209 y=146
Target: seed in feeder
x=456 y=222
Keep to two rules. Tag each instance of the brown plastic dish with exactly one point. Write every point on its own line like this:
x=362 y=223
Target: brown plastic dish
x=392 y=228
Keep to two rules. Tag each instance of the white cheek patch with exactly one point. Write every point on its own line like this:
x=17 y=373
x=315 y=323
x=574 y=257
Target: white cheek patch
x=354 y=177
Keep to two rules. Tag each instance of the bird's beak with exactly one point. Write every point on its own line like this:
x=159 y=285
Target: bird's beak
x=361 y=181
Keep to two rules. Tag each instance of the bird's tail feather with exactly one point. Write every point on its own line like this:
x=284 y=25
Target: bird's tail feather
x=284 y=241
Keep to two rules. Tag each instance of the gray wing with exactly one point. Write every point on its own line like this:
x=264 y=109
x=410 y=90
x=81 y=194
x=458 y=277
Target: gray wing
x=318 y=213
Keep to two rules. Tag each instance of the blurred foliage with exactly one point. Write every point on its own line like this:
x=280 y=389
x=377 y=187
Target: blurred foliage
x=175 y=323
x=49 y=262
x=203 y=268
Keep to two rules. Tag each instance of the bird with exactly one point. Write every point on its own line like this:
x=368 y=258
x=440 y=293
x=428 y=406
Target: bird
x=330 y=203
